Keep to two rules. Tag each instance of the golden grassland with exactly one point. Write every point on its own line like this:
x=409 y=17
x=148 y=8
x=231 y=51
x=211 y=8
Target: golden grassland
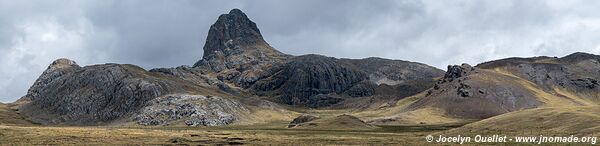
x=14 y=130
x=251 y=135
x=557 y=121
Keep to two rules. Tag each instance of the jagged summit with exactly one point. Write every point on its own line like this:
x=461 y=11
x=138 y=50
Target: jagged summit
x=230 y=30
x=55 y=70
x=455 y=71
x=234 y=41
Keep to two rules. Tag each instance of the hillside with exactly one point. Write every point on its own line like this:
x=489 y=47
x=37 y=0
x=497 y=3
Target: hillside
x=562 y=120
x=9 y=115
x=573 y=76
x=497 y=87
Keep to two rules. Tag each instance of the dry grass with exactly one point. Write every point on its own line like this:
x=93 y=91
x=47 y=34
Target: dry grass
x=266 y=115
x=560 y=121
x=399 y=107
x=9 y=116
x=429 y=115
x=268 y=131
x=576 y=98
x=341 y=122
x=200 y=136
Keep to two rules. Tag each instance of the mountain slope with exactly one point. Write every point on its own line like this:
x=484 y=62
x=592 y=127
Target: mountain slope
x=564 y=120
x=9 y=115
x=98 y=93
x=469 y=92
x=109 y=93
x=573 y=76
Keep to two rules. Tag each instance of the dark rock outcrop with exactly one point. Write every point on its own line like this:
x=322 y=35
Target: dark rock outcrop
x=364 y=88
x=302 y=119
x=455 y=72
x=311 y=75
x=586 y=82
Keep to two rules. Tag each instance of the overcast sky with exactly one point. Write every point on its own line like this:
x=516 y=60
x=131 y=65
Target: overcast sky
x=169 y=33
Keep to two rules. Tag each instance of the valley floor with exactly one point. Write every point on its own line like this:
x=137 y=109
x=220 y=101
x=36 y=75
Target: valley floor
x=14 y=130
x=33 y=135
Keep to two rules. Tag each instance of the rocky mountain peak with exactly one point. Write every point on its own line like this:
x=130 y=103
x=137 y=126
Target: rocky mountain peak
x=234 y=42
x=55 y=70
x=231 y=31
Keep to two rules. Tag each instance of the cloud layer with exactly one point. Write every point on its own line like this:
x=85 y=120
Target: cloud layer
x=161 y=33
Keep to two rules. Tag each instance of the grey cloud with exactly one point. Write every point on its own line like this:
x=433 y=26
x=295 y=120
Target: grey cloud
x=161 y=33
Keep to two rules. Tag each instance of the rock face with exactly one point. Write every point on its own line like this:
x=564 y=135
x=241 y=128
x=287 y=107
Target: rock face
x=455 y=72
x=304 y=78
x=54 y=71
x=194 y=110
x=317 y=81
